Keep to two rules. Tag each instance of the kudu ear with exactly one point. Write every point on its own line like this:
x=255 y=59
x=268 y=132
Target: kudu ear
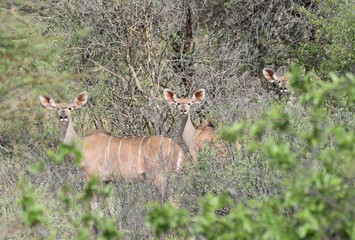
x=81 y=100
x=170 y=96
x=47 y=102
x=270 y=75
x=198 y=95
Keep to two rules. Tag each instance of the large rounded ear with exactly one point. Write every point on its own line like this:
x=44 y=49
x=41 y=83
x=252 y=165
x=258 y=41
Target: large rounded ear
x=47 y=102
x=81 y=100
x=270 y=75
x=170 y=96
x=199 y=95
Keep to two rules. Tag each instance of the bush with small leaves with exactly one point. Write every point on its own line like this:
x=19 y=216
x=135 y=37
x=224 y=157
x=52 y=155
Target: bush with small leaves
x=316 y=199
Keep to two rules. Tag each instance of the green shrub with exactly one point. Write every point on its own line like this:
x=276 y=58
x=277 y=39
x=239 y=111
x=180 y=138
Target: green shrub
x=331 y=48
x=315 y=201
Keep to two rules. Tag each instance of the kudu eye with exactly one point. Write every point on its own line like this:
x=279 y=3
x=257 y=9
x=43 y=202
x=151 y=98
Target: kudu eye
x=178 y=104
x=189 y=104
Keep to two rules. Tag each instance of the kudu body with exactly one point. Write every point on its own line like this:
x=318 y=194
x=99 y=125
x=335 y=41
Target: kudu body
x=128 y=159
x=194 y=139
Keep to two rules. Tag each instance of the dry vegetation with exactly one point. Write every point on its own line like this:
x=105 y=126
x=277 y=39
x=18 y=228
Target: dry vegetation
x=124 y=53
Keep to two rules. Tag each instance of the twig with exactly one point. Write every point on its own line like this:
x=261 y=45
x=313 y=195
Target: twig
x=107 y=70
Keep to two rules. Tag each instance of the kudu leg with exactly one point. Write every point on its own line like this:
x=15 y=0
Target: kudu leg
x=110 y=205
x=94 y=202
x=161 y=185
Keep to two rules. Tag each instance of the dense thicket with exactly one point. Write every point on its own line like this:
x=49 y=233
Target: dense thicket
x=124 y=53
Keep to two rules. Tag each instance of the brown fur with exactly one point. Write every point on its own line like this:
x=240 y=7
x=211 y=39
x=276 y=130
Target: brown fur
x=129 y=159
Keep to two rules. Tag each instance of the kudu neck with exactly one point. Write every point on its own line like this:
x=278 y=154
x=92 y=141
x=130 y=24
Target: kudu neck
x=187 y=129
x=68 y=134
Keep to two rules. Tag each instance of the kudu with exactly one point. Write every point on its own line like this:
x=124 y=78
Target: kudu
x=128 y=158
x=194 y=139
x=280 y=83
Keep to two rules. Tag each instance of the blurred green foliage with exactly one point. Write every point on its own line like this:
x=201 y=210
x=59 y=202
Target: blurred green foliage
x=34 y=213
x=66 y=150
x=166 y=217
x=29 y=60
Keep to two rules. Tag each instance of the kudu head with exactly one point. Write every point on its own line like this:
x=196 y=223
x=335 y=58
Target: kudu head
x=64 y=109
x=184 y=104
x=281 y=83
